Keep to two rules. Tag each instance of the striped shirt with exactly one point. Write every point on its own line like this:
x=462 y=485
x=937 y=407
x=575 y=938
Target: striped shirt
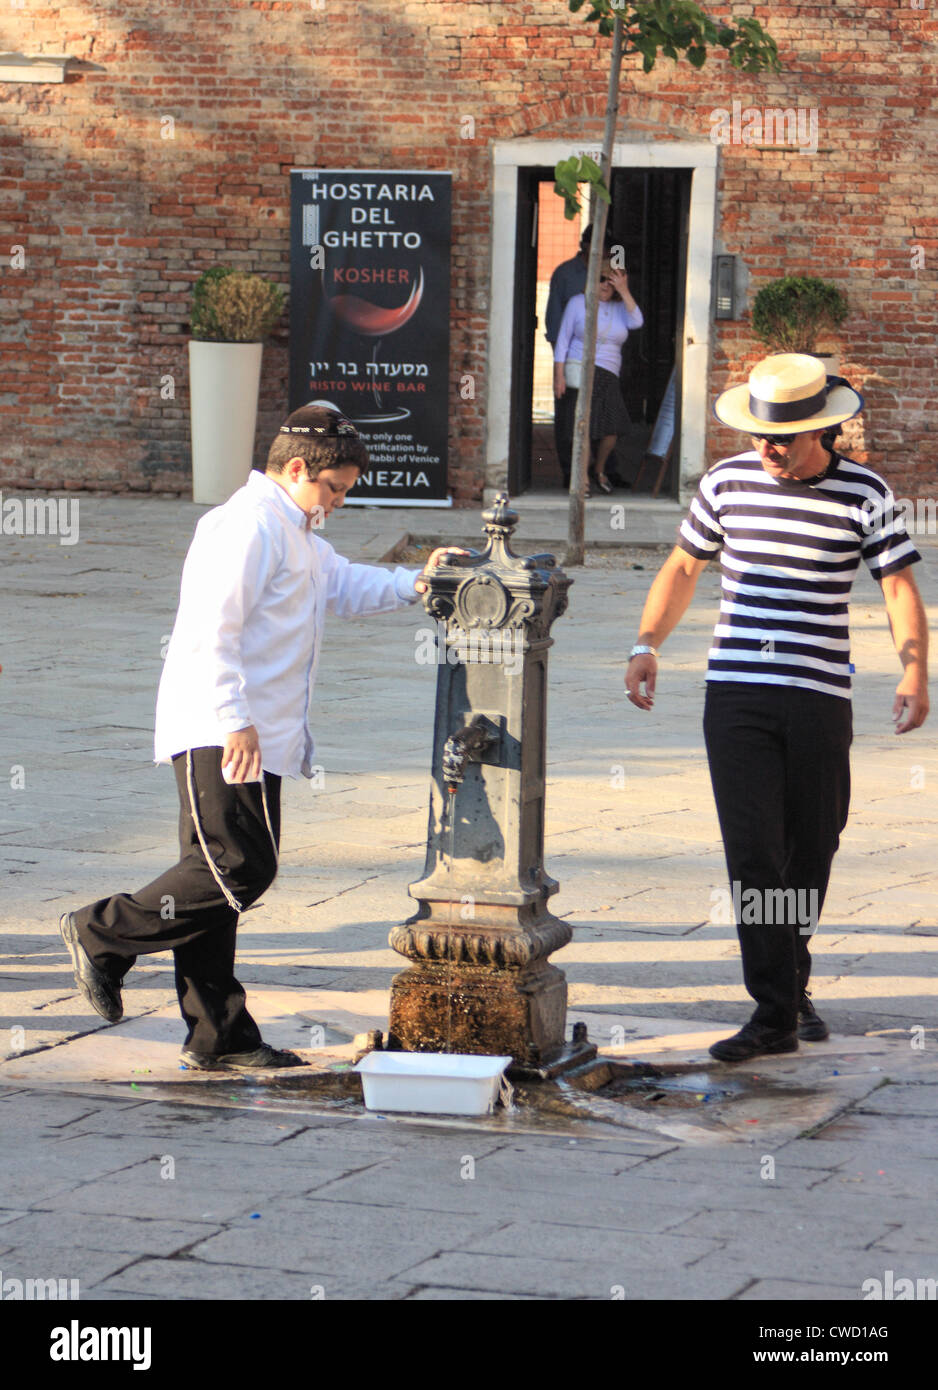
x=790 y=554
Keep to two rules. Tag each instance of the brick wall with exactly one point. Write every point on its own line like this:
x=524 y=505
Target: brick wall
x=118 y=208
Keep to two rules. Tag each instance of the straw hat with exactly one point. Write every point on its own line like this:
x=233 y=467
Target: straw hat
x=788 y=393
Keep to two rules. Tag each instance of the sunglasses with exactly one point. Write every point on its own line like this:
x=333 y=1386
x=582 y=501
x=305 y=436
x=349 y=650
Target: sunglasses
x=775 y=438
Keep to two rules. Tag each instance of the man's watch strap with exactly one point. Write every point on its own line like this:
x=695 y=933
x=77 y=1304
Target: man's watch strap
x=642 y=650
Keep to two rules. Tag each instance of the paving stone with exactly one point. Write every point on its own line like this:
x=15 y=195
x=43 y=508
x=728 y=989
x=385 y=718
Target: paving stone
x=550 y=1241
x=892 y=1134
x=70 y=1229
x=572 y=1279
x=462 y=1296
x=12 y=1214
x=800 y=1290
x=63 y=1261
x=191 y=1279
x=813 y=1262
x=805 y=1227
x=196 y=1193
x=918 y=1099
x=442 y=1189
x=350 y=1240
x=216 y=1125
x=24 y=1114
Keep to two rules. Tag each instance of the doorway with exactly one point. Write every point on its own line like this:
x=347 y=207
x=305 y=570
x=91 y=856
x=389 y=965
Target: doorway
x=649 y=218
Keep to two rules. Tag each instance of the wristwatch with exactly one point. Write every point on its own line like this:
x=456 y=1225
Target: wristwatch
x=642 y=650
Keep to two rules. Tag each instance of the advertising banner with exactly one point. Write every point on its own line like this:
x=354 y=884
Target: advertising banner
x=369 y=319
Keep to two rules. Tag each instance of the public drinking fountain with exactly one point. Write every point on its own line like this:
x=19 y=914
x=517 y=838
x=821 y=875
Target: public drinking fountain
x=479 y=942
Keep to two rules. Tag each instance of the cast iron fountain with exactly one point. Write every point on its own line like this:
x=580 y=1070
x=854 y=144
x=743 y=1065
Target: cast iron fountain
x=480 y=980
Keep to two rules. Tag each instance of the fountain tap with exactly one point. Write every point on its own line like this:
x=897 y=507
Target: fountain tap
x=465 y=746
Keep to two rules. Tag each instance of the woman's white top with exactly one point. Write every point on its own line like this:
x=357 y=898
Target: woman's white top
x=256 y=587
x=612 y=329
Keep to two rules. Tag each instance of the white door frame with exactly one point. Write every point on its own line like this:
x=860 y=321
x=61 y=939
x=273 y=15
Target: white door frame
x=510 y=155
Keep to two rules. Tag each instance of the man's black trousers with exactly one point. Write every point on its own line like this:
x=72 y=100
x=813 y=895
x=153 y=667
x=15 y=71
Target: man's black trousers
x=780 y=767
x=564 y=418
x=187 y=911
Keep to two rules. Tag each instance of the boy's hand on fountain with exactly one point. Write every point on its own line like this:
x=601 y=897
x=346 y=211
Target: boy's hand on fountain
x=437 y=558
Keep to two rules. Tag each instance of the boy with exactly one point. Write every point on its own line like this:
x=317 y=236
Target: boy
x=232 y=718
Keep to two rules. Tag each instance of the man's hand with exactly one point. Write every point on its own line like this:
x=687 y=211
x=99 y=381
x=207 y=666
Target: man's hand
x=560 y=381
x=909 y=627
x=436 y=559
x=665 y=606
x=642 y=670
x=241 y=756
x=911 y=699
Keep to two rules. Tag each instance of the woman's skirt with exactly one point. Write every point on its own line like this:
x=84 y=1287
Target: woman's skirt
x=608 y=413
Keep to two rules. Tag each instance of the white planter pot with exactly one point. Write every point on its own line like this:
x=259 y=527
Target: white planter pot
x=224 y=381
x=831 y=362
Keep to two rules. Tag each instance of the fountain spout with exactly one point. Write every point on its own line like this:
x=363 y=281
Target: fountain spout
x=467 y=745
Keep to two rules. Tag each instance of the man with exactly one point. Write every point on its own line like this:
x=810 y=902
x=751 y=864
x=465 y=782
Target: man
x=232 y=718
x=793 y=521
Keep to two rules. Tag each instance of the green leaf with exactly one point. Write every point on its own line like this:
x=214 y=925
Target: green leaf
x=696 y=57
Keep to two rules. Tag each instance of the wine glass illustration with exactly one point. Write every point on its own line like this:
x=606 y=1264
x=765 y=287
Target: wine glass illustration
x=377 y=322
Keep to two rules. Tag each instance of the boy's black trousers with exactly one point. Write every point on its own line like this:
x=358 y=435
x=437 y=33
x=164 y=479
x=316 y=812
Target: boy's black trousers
x=780 y=766
x=186 y=910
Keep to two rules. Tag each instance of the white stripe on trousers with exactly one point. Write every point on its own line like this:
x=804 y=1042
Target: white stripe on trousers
x=194 y=812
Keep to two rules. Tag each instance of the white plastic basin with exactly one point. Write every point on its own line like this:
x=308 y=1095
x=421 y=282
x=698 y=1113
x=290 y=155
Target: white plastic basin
x=431 y=1083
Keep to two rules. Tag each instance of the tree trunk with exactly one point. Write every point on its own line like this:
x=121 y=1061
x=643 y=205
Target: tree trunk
x=581 y=439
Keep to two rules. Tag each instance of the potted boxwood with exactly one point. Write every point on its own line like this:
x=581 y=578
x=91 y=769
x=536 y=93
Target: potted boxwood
x=232 y=312
x=792 y=314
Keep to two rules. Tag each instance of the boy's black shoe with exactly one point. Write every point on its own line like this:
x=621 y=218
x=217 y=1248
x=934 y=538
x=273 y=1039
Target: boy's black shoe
x=263 y=1058
x=102 y=994
x=753 y=1041
x=811 y=1028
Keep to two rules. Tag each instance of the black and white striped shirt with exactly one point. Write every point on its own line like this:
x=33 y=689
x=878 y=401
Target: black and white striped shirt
x=790 y=554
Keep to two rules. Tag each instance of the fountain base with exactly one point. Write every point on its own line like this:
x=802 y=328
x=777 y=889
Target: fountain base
x=520 y=1013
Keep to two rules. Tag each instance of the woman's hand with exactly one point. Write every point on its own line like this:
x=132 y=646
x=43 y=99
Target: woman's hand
x=619 y=281
x=560 y=384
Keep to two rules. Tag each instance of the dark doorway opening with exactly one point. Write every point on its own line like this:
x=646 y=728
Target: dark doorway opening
x=648 y=218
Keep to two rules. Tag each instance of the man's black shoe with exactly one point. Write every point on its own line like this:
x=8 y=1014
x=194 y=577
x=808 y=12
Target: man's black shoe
x=102 y=994
x=263 y=1058
x=753 y=1041
x=811 y=1028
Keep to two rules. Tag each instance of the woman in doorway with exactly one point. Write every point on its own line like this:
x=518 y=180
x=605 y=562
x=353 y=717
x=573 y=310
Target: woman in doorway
x=618 y=313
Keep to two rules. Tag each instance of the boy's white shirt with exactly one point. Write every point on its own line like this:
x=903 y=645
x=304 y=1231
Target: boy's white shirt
x=256 y=587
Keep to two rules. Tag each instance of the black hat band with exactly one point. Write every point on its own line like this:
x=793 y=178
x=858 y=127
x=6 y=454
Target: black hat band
x=782 y=412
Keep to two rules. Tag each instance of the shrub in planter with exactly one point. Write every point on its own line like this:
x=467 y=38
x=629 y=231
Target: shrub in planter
x=791 y=314
x=230 y=306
